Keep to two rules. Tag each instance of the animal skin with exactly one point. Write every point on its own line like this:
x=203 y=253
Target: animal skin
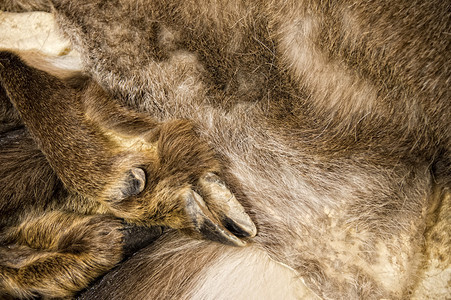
x=331 y=122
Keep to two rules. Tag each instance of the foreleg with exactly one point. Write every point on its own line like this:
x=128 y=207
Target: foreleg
x=59 y=253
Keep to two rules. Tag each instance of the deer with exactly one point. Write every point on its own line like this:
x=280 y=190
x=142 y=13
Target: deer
x=329 y=123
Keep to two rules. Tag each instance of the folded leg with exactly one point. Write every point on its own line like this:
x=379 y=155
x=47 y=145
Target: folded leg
x=58 y=253
x=146 y=172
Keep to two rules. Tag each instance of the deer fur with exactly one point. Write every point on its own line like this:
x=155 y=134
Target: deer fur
x=331 y=121
x=101 y=152
x=25 y=5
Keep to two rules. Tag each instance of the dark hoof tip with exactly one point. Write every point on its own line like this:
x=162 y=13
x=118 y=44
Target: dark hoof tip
x=206 y=224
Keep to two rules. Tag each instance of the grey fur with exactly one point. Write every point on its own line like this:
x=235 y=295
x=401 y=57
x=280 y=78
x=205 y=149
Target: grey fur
x=332 y=120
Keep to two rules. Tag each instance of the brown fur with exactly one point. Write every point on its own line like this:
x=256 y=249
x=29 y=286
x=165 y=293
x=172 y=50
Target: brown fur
x=98 y=141
x=333 y=117
x=34 y=237
x=94 y=147
x=51 y=244
x=10 y=119
x=25 y=5
x=332 y=120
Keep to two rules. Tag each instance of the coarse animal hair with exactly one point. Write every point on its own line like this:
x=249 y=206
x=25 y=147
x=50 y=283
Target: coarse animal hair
x=25 y=5
x=96 y=156
x=331 y=121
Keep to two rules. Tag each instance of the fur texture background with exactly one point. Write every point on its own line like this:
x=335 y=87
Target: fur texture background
x=329 y=122
x=332 y=122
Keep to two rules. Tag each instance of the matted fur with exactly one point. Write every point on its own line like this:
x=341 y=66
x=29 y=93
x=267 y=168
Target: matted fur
x=330 y=116
x=91 y=156
x=25 y=5
x=332 y=120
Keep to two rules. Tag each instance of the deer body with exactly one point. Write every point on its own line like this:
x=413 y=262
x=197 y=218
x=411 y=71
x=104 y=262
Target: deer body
x=330 y=121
